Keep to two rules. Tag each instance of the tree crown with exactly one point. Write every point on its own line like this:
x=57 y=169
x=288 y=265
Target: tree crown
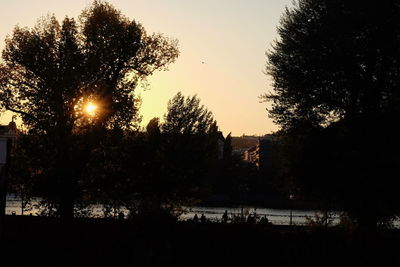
x=51 y=71
x=185 y=115
x=335 y=60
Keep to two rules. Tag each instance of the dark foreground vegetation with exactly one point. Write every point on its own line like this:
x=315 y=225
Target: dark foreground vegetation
x=335 y=70
x=44 y=241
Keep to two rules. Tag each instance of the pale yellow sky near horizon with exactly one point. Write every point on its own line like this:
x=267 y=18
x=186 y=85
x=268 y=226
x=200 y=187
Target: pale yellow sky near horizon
x=229 y=36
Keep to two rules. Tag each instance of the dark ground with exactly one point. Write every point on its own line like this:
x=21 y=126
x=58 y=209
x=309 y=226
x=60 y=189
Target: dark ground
x=40 y=241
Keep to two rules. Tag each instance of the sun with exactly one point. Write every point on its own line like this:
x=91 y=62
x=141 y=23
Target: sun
x=90 y=109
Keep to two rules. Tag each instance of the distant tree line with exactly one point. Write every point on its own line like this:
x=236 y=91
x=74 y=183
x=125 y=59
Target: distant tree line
x=71 y=158
x=51 y=72
x=148 y=172
x=151 y=172
x=155 y=171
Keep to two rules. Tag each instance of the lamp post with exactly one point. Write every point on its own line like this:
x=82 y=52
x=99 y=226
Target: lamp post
x=291 y=197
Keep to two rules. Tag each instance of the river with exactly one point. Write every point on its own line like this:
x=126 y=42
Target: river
x=275 y=216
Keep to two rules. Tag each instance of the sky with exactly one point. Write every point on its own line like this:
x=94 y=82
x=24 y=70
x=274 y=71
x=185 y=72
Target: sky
x=222 y=52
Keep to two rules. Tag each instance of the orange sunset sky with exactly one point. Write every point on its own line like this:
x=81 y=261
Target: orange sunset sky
x=222 y=45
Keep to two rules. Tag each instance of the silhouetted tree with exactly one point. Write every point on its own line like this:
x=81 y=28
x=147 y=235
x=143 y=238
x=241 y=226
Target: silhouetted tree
x=153 y=127
x=189 y=149
x=336 y=91
x=227 y=151
x=51 y=71
x=187 y=116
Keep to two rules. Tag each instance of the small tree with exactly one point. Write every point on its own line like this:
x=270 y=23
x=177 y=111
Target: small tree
x=189 y=149
x=187 y=116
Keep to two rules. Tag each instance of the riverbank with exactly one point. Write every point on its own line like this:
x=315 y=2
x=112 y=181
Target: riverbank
x=213 y=213
x=41 y=241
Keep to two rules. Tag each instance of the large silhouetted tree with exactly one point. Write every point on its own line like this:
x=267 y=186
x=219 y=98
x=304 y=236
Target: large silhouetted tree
x=51 y=71
x=335 y=68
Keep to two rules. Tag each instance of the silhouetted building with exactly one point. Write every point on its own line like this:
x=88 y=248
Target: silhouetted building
x=242 y=143
x=8 y=131
x=262 y=153
x=7 y=134
x=251 y=155
x=265 y=153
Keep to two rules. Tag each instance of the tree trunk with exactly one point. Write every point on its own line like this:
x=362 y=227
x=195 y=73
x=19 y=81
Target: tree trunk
x=66 y=191
x=367 y=239
x=368 y=221
x=3 y=195
x=3 y=186
x=66 y=209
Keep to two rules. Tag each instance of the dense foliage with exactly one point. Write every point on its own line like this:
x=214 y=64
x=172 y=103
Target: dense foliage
x=51 y=72
x=336 y=95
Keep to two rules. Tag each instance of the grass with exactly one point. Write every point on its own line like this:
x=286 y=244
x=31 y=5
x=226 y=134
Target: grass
x=41 y=241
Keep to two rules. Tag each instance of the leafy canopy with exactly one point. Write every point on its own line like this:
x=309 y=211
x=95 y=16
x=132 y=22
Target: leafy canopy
x=335 y=70
x=50 y=73
x=185 y=115
x=335 y=60
x=52 y=70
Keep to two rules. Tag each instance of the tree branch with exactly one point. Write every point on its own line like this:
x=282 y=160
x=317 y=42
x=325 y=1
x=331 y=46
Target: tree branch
x=21 y=112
